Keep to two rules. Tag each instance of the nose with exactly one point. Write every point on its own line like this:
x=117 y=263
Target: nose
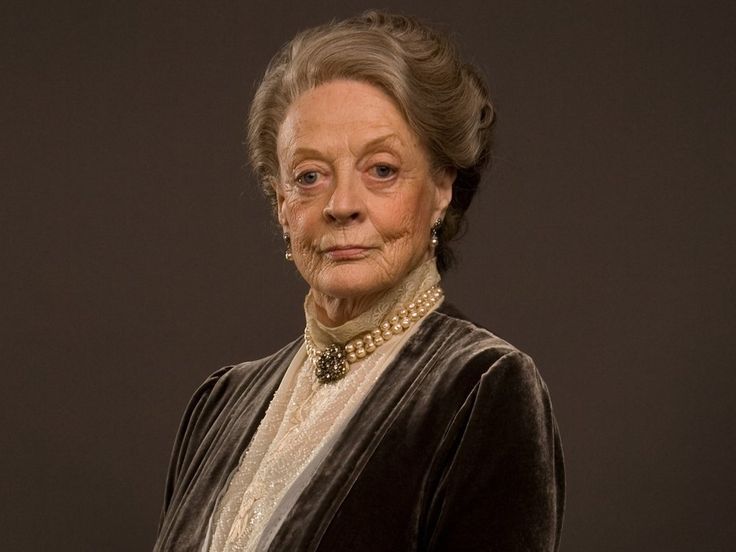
x=345 y=204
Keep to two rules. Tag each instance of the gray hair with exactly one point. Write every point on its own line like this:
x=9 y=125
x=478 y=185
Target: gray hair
x=444 y=100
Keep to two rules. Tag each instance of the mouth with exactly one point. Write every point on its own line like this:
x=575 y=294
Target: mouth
x=346 y=252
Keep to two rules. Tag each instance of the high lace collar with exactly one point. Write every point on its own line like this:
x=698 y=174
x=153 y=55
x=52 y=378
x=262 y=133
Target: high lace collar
x=421 y=278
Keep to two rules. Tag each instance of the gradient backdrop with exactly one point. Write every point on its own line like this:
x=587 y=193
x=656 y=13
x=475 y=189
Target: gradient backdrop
x=138 y=256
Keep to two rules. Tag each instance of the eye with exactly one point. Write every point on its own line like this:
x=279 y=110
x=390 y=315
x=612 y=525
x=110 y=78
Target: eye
x=383 y=171
x=308 y=178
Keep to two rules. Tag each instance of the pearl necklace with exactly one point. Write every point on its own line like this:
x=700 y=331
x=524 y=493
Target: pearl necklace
x=333 y=362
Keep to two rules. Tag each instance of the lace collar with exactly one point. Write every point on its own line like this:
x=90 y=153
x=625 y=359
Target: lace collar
x=422 y=277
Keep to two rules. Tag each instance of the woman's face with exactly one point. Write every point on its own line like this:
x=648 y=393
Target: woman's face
x=356 y=192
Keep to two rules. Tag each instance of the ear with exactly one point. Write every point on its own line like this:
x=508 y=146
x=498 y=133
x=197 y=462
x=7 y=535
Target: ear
x=444 y=180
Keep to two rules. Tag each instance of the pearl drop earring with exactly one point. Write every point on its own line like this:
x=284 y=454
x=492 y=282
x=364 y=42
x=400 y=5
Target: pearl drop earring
x=287 y=254
x=434 y=233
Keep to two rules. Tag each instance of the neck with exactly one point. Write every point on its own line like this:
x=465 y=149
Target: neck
x=334 y=311
x=331 y=319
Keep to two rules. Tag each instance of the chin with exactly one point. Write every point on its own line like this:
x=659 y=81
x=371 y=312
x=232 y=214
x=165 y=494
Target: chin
x=349 y=280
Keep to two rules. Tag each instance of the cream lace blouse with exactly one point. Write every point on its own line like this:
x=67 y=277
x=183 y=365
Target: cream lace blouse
x=302 y=419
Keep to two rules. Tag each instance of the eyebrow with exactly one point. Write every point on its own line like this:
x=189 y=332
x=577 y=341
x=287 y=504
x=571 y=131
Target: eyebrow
x=370 y=145
x=393 y=137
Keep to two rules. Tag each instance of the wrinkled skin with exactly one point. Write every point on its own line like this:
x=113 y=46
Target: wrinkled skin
x=356 y=194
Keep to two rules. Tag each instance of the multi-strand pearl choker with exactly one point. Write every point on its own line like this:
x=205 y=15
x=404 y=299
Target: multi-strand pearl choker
x=333 y=362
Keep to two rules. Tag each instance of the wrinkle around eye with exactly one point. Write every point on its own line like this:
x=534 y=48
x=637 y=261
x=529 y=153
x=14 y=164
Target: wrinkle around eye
x=307 y=178
x=383 y=172
x=310 y=178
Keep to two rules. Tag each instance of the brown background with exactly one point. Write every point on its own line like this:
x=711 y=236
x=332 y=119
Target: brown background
x=138 y=256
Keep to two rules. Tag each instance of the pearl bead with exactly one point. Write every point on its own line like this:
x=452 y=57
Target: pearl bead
x=402 y=318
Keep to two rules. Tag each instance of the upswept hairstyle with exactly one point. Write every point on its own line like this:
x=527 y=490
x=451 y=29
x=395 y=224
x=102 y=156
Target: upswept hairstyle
x=444 y=100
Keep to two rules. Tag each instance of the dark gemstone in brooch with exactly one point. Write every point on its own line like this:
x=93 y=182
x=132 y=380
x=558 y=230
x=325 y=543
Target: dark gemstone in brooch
x=331 y=364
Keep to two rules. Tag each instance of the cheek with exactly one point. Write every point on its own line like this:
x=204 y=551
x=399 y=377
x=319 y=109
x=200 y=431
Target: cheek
x=296 y=216
x=304 y=234
x=403 y=219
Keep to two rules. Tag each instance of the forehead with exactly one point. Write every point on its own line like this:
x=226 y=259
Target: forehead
x=342 y=111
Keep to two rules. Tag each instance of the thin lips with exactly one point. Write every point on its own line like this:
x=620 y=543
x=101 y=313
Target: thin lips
x=345 y=247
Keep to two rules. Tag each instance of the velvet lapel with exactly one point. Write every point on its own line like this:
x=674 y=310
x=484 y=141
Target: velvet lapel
x=313 y=512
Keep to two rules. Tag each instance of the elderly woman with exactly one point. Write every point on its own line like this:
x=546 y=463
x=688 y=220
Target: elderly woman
x=392 y=423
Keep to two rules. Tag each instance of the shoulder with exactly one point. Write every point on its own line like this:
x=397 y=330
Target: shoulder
x=222 y=389
x=232 y=380
x=474 y=355
x=452 y=323
x=218 y=395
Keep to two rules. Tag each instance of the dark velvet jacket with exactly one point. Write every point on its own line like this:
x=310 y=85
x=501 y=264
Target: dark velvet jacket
x=455 y=448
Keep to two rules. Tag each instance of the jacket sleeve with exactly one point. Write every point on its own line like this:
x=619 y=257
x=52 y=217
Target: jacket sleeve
x=194 y=424
x=503 y=488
